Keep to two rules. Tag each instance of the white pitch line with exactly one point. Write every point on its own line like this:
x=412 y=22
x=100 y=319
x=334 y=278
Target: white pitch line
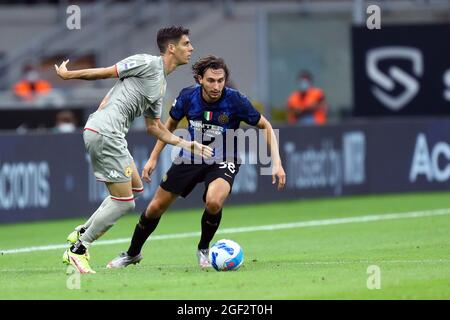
x=300 y=224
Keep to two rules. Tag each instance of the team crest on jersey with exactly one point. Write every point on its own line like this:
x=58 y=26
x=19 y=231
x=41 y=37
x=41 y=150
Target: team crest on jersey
x=128 y=171
x=223 y=118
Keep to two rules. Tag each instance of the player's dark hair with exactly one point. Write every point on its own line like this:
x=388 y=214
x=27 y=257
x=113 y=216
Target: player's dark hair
x=170 y=34
x=209 y=62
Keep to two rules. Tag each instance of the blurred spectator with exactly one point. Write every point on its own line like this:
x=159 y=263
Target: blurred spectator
x=307 y=104
x=66 y=122
x=31 y=86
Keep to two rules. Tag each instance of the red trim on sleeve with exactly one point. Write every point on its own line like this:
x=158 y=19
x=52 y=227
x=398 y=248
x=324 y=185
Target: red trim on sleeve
x=90 y=130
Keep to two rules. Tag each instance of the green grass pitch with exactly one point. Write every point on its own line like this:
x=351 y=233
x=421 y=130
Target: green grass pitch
x=302 y=262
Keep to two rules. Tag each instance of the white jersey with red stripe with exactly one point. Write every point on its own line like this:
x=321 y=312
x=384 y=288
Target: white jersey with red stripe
x=138 y=91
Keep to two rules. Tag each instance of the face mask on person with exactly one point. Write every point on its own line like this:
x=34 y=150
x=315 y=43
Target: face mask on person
x=66 y=127
x=304 y=85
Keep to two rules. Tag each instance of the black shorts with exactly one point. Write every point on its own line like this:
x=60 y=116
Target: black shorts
x=182 y=178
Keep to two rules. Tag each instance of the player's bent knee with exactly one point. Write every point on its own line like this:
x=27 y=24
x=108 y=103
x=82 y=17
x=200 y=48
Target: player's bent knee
x=213 y=205
x=155 y=209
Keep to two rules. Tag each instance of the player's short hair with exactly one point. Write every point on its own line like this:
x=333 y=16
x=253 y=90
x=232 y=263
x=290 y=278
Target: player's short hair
x=170 y=34
x=209 y=62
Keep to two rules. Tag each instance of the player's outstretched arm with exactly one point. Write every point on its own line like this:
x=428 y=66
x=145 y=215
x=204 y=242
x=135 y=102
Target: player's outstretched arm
x=85 y=74
x=156 y=128
x=277 y=169
x=150 y=166
x=171 y=124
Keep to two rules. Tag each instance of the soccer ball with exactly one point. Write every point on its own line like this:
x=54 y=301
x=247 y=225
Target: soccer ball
x=226 y=255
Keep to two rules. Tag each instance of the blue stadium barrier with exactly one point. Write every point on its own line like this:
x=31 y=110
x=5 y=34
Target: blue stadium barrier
x=48 y=176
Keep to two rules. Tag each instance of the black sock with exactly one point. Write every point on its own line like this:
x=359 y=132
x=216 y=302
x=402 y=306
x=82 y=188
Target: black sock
x=78 y=248
x=210 y=224
x=142 y=231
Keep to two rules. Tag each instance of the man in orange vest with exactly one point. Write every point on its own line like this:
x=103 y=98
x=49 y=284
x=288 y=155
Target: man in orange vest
x=306 y=105
x=31 y=86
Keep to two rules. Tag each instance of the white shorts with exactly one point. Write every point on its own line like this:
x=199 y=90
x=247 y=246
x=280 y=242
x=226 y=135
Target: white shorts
x=110 y=158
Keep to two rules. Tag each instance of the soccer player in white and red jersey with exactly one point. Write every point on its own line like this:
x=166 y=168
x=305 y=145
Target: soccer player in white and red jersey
x=139 y=90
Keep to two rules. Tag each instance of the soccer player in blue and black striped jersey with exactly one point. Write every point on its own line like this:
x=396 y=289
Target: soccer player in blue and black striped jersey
x=211 y=109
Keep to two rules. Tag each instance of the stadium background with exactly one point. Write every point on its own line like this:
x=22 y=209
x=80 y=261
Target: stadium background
x=370 y=145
